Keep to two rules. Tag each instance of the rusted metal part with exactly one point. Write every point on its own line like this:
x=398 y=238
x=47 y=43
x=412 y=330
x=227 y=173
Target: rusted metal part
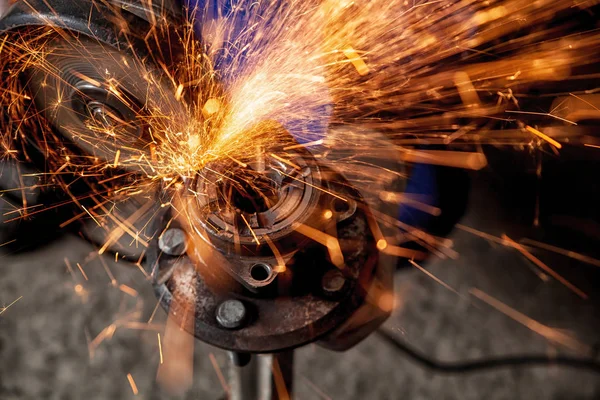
x=295 y=307
x=265 y=377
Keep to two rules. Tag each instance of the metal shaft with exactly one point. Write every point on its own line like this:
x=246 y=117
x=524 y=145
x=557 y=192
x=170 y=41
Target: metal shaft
x=265 y=377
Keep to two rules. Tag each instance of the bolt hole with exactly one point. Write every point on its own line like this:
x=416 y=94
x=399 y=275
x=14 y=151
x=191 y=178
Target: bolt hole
x=260 y=272
x=340 y=206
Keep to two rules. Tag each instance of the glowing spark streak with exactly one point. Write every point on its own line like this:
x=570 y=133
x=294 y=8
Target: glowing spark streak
x=117 y=155
x=251 y=230
x=123 y=228
x=134 y=388
x=544 y=267
x=332 y=244
x=356 y=60
x=567 y=253
x=86 y=78
x=156 y=308
x=456 y=159
x=402 y=198
x=405 y=253
x=179 y=92
x=160 y=348
x=141 y=326
x=313 y=186
x=128 y=290
x=542 y=114
x=283 y=160
x=8 y=306
x=90 y=214
x=481 y=234
x=69 y=267
x=280 y=385
x=82 y=271
x=176 y=373
x=544 y=137
x=316 y=389
x=113 y=281
x=435 y=278
x=105 y=334
x=592 y=145
x=215 y=364
x=7 y=243
x=78 y=216
x=466 y=90
x=276 y=252
x=241 y=164
x=301 y=146
x=541 y=329
x=376 y=230
x=211 y=107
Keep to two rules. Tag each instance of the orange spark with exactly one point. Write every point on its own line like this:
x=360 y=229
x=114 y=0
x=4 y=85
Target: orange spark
x=134 y=388
x=357 y=61
x=544 y=137
x=435 y=278
x=128 y=290
x=251 y=230
x=215 y=364
x=456 y=159
x=544 y=267
x=404 y=252
x=179 y=92
x=117 y=155
x=550 y=334
x=568 y=253
x=3 y=309
x=332 y=244
x=82 y=271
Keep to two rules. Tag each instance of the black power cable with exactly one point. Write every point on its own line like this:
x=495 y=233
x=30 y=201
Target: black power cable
x=487 y=363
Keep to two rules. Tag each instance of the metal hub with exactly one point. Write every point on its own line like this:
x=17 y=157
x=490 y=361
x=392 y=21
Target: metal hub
x=261 y=283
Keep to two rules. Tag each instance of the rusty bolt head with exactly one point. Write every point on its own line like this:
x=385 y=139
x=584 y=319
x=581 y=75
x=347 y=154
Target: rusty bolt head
x=231 y=314
x=173 y=242
x=333 y=281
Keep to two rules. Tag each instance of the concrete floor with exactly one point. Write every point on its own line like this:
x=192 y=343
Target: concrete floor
x=44 y=351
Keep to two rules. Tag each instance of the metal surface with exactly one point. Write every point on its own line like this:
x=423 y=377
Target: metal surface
x=231 y=314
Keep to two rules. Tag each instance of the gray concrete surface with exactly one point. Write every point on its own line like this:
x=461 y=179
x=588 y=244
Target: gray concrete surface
x=44 y=351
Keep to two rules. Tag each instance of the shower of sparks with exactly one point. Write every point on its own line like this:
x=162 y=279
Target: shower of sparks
x=360 y=84
x=415 y=71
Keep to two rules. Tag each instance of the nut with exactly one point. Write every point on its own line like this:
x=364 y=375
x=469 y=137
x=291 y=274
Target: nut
x=173 y=242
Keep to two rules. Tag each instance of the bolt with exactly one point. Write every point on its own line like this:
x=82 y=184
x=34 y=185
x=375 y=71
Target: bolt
x=333 y=281
x=173 y=242
x=231 y=314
